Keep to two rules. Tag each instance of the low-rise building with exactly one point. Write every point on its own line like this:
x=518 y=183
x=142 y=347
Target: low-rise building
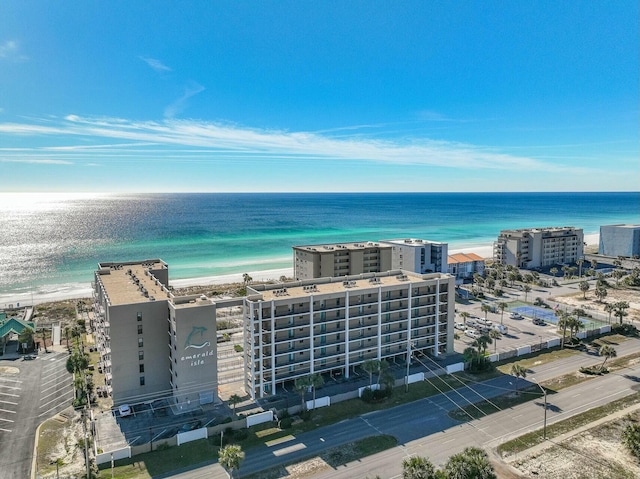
x=620 y=240
x=465 y=265
x=539 y=247
x=332 y=325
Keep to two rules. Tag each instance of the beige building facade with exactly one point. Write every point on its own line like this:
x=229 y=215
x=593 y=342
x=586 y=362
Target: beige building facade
x=332 y=325
x=340 y=259
x=539 y=247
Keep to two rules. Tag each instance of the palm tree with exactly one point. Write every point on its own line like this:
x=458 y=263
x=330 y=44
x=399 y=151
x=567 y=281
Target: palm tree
x=584 y=287
x=472 y=463
x=416 y=467
x=518 y=371
x=465 y=316
x=620 y=309
x=233 y=400
x=617 y=274
x=575 y=325
x=301 y=385
x=383 y=368
x=601 y=293
x=594 y=264
x=565 y=271
x=526 y=288
x=580 y=262
x=563 y=323
x=502 y=306
x=485 y=308
x=26 y=336
x=246 y=278
x=553 y=271
x=579 y=312
x=482 y=342
x=370 y=366
x=610 y=308
x=607 y=351
x=494 y=334
x=513 y=277
x=230 y=457
x=315 y=381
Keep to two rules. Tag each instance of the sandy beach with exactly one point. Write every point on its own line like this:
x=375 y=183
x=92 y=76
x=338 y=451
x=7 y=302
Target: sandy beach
x=76 y=291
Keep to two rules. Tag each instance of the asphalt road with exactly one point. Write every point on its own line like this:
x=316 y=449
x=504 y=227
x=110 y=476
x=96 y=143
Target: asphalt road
x=38 y=390
x=424 y=427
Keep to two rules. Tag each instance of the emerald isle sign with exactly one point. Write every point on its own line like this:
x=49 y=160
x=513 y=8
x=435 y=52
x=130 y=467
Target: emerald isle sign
x=197 y=347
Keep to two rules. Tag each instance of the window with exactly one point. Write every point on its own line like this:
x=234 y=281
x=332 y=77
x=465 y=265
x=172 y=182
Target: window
x=141 y=368
x=141 y=355
x=139 y=328
x=139 y=316
x=142 y=380
x=140 y=342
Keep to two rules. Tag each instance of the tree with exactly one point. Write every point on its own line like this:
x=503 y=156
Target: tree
x=485 y=308
x=617 y=274
x=620 y=309
x=382 y=369
x=513 y=277
x=601 y=293
x=246 y=278
x=574 y=325
x=230 y=457
x=370 y=366
x=465 y=315
x=580 y=262
x=579 y=313
x=631 y=438
x=416 y=467
x=494 y=334
x=565 y=271
x=607 y=351
x=502 y=306
x=563 y=323
x=594 y=264
x=472 y=463
x=610 y=308
x=482 y=342
x=526 y=288
x=233 y=400
x=301 y=385
x=26 y=336
x=553 y=271
x=315 y=381
x=584 y=287
x=518 y=371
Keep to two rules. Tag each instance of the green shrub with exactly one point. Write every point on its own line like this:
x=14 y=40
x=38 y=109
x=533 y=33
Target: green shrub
x=593 y=370
x=163 y=447
x=286 y=423
x=625 y=329
x=238 y=348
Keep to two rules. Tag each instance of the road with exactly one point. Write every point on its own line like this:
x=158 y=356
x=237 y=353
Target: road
x=424 y=427
x=30 y=393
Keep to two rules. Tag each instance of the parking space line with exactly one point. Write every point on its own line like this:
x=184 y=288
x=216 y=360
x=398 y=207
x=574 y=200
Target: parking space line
x=9 y=402
x=9 y=387
x=5 y=430
x=10 y=380
x=6 y=420
x=46 y=389
x=55 y=407
x=6 y=410
x=55 y=392
x=9 y=394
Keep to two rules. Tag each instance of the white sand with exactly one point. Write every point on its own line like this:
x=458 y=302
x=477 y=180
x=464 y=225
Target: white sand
x=75 y=291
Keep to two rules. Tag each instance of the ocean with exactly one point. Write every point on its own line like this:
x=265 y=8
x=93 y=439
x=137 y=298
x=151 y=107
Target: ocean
x=53 y=242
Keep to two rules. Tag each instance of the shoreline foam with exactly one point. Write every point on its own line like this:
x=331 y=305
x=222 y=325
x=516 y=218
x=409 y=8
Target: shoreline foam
x=81 y=290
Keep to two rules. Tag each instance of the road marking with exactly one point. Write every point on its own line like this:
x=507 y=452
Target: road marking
x=50 y=387
x=9 y=387
x=450 y=440
x=6 y=420
x=513 y=417
x=55 y=392
x=5 y=430
x=6 y=410
x=55 y=407
x=576 y=395
x=11 y=380
x=9 y=402
x=9 y=394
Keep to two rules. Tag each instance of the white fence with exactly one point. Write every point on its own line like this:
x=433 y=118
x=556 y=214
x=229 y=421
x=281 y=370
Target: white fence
x=414 y=378
x=123 y=453
x=524 y=350
x=194 y=435
x=259 y=418
x=454 y=368
x=373 y=387
x=320 y=402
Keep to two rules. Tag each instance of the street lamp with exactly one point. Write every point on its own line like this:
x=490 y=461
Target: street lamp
x=409 y=353
x=544 y=426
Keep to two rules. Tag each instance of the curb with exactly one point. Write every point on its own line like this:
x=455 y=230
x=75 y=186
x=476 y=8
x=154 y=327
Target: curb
x=34 y=461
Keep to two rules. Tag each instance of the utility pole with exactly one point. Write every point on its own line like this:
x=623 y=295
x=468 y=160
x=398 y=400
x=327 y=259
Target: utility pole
x=86 y=441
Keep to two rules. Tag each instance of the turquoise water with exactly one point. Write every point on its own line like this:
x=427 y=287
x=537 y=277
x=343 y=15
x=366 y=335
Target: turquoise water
x=53 y=240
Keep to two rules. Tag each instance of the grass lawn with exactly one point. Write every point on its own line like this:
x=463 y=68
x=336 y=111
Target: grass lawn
x=533 y=438
x=48 y=441
x=535 y=359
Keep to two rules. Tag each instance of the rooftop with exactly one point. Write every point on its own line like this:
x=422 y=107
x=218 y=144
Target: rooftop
x=324 y=248
x=463 y=258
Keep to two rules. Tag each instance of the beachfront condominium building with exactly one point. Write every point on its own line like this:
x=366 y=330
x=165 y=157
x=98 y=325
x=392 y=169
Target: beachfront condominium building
x=333 y=325
x=340 y=259
x=619 y=240
x=151 y=342
x=418 y=255
x=465 y=265
x=539 y=247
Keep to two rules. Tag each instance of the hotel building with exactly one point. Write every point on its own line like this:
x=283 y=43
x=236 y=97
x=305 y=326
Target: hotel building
x=539 y=247
x=332 y=325
x=152 y=343
x=340 y=259
x=465 y=265
x=619 y=240
x=418 y=255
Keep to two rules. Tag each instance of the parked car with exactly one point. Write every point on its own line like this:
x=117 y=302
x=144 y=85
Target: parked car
x=460 y=326
x=125 y=410
x=515 y=315
x=486 y=322
x=472 y=333
x=502 y=329
x=472 y=323
x=538 y=321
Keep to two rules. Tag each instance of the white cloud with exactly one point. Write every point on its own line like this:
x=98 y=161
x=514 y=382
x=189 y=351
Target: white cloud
x=36 y=161
x=157 y=65
x=188 y=140
x=10 y=50
x=180 y=104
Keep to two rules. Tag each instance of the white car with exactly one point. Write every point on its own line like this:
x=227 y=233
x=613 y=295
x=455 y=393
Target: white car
x=515 y=316
x=502 y=329
x=460 y=326
x=486 y=322
x=472 y=334
x=125 y=410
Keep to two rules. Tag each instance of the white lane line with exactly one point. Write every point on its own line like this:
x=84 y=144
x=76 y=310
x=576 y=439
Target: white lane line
x=48 y=402
x=576 y=395
x=5 y=430
x=10 y=380
x=55 y=392
x=56 y=378
x=55 y=407
x=9 y=402
x=6 y=410
x=9 y=387
x=6 y=420
x=55 y=385
x=9 y=394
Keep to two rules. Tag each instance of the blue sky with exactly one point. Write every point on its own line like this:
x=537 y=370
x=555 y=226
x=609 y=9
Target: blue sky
x=319 y=96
